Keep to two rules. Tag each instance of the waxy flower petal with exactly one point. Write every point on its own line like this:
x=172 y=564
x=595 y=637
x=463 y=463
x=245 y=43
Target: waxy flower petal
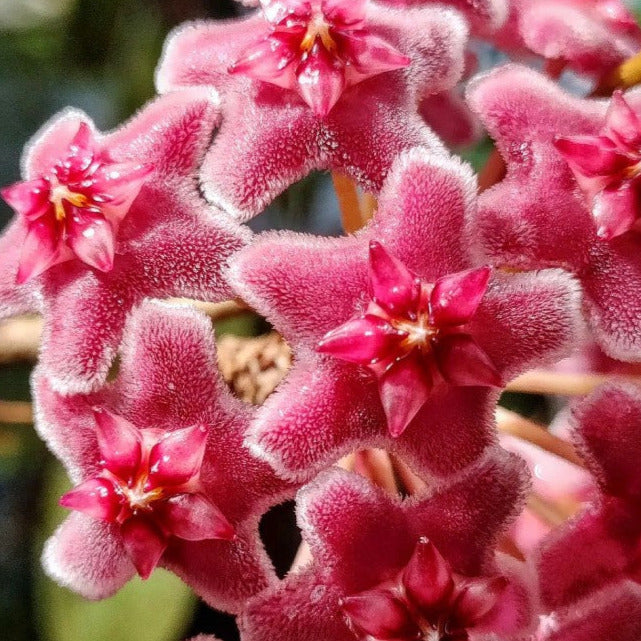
x=156 y=238
x=307 y=287
x=96 y=497
x=519 y=222
x=260 y=116
x=193 y=502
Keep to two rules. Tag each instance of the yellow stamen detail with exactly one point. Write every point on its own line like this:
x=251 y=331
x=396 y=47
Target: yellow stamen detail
x=318 y=28
x=60 y=193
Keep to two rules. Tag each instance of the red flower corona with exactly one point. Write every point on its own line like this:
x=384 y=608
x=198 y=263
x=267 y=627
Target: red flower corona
x=150 y=487
x=608 y=168
x=74 y=208
x=317 y=48
x=412 y=332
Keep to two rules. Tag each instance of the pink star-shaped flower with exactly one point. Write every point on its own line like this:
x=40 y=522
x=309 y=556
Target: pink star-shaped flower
x=318 y=49
x=307 y=287
x=589 y=36
x=539 y=216
x=270 y=137
x=162 y=477
x=412 y=333
x=107 y=220
x=388 y=569
x=604 y=541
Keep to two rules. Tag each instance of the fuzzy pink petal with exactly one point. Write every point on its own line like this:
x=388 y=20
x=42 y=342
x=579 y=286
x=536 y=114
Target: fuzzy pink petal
x=455 y=297
x=144 y=544
x=177 y=457
x=462 y=362
x=479 y=505
x=276 y=11
x=606 y=425
x=223 y=573
x=427 y=577
x=427 y=244
x=361 y=340
x=92 y=238
x=119 y=442
x=393 y=286
x=88 y=557
x=321 y=80
x=581 y=556
x=527 y=319
x=615 y=210
x=193 y=518
x=14 y=299
x=403 y=389
x=379 y=614
x=613 y=613
x=96 y=497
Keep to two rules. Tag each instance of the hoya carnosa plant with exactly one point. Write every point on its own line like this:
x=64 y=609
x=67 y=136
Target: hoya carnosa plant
x=103 y=221
x=569 y=197
x=400 y=341
x=160 y=472
x=388 y=569
x=373 y=65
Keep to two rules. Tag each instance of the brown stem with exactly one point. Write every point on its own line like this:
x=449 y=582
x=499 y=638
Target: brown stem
x=544 y=382
x=375 y=465
x=16 y=412
x=514 y=424
x=348 y=201
x=493 y=171
x=554 y=514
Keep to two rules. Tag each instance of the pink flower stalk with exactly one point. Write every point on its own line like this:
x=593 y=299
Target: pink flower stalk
x=161 y=474
x=149 y=486
x=608 y=168
x=588 y=36
x=107 y=220
x=389 y=569
x=319 y=49
x=75 y=208
x=539 y=216
x=307 y=287
x=413 y=332
x=604 y=541
x=254 y=157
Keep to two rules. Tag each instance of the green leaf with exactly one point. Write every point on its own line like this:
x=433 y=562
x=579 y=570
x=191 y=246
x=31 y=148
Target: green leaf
x=159 y=609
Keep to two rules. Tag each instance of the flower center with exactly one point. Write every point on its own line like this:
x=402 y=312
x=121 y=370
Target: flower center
x=60 y=192
x=419 y=332
x=317 y=28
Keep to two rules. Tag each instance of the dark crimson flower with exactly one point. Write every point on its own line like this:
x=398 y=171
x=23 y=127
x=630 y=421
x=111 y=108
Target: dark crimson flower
x=74 y=208
x=162 y=477
x=386 y=569
x=413 y=331
x=318 y=48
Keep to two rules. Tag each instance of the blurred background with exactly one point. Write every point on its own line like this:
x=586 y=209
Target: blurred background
x=99 y=56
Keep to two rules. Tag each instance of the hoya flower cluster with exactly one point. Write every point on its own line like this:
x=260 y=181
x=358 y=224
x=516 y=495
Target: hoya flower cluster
x=404 y=332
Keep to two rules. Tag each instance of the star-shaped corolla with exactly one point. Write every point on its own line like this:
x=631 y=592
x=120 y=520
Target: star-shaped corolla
x=604 y=540
x=412 y=332
x=404 y=570
x=270 y=137
x=318 y=49
x=540 y=216
x=161 y=474
x=588 y=36
x=491 y=329
x=107 y=220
